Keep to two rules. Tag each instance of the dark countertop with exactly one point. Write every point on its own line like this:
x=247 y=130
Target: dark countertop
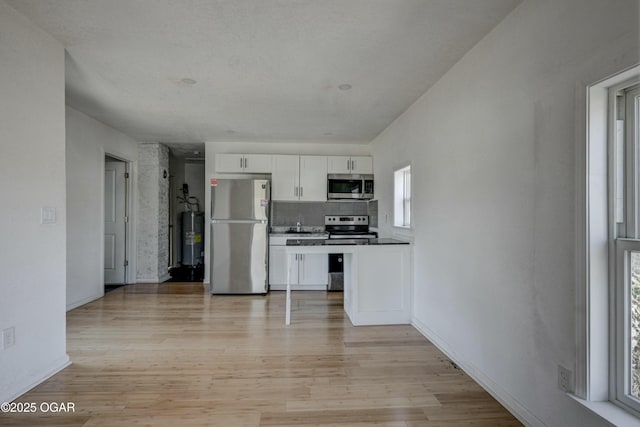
x=293 y=235
x=345 y=242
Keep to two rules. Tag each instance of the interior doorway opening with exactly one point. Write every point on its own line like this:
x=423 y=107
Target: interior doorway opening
x=186 y=212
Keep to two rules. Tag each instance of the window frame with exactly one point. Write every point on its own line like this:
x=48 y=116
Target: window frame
x=624 y=140
x=402 y=224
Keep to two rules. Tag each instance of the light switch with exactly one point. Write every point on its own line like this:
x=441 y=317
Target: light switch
x=48 y=215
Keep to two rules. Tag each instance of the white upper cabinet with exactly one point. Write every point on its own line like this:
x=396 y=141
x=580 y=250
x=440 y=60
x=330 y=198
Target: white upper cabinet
x=243 y=163
x=350 y=164
x=362 y=164
x=299 y=178
x=313 y=178
x=285 y=177
x=229 y=162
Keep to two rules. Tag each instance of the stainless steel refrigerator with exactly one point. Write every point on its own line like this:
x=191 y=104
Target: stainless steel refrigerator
x=239 y=246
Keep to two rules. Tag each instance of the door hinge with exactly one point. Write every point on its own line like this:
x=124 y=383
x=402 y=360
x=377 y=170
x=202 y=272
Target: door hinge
x=126 y=263
x=126 y=175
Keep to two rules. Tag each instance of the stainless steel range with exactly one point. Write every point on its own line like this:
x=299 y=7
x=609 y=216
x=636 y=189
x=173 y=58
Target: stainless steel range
x=348 y=227
x=353 y=227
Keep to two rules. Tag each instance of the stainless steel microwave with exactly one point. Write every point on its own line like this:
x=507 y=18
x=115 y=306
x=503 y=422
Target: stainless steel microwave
x=347 y=186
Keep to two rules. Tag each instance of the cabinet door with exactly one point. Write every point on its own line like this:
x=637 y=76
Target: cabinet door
x=361 y=164
x=278 y=267
x=232 y=163
x=313 y=178
x=314 y=269
x=285 y=181
x=338 y=164
x=257 y=163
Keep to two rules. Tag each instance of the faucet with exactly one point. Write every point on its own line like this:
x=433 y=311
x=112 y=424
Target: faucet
x=298 y=226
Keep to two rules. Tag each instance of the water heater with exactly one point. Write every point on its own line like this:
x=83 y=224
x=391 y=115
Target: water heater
x=192 y=238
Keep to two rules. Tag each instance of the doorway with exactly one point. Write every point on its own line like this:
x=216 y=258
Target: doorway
x=186 y=216
x=116 y=214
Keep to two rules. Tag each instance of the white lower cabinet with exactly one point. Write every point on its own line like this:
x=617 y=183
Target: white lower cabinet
x=308 y=272
x=278 y=267
x=313 y=270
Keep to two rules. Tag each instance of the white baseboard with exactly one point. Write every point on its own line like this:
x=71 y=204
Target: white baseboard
x=298 y=287
x=84 y=301
x=164 y=278
x=498 y=393
x=16 y=390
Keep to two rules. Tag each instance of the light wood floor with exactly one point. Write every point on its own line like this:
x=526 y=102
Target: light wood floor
x=172 y=355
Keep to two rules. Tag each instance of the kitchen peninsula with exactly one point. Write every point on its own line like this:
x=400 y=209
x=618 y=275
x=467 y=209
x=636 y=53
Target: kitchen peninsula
x=377 y=282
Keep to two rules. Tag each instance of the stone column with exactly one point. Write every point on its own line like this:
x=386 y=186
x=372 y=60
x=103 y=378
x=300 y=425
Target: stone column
x=153 y=213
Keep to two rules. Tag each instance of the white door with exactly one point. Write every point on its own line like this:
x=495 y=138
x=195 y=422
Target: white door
x=313 y=178
x=114 y=222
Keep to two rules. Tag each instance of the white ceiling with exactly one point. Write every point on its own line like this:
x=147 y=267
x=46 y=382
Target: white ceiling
x=266 y=70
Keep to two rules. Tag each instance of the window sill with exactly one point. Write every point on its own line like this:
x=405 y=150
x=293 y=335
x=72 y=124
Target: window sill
x=609 y=412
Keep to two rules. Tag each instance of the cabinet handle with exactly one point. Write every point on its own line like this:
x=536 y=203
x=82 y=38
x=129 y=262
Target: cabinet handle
x=301 y=191
x=240 y=162
x=295 y=191
x=353 y=164
x=246 y=162
x=348 y=164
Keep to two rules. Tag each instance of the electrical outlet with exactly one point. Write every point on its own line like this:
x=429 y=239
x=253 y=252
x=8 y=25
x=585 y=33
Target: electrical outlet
x=565 y=379
x=8 y=337
x=48 y=215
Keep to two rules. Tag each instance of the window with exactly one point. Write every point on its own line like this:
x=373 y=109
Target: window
x=625 y=207
x=402 y=197
x=608 y=251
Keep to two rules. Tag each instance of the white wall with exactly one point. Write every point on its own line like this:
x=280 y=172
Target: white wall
x=194 y=176
x=32 y=172
x=493 y=148
x=88 y=140
x=303 y=148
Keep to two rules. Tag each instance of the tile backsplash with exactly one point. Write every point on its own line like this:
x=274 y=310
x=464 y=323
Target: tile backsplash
x=373 y=213
x=312 y=213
